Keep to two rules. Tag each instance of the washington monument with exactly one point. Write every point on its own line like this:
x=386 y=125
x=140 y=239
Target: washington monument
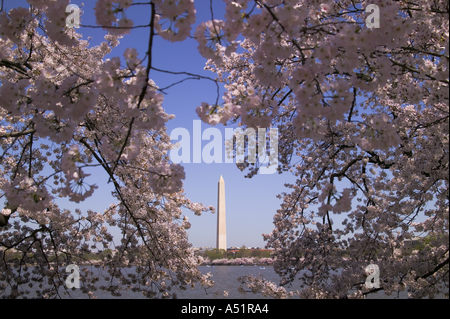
x=221 y=220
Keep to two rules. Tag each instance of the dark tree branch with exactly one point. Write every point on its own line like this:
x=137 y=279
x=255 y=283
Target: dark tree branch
x=17 y=134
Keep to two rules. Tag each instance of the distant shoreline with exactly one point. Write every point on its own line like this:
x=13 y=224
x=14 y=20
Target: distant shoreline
x=245 y=265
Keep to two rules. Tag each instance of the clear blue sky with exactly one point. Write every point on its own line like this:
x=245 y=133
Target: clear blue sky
x=250 y=203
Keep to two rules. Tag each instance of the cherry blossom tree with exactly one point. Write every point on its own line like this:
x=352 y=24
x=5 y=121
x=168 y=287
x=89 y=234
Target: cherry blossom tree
x=66 y=110
x=363 y=118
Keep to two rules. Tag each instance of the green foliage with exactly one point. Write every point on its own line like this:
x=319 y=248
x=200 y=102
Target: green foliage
x=242 y=253
x=215 y=254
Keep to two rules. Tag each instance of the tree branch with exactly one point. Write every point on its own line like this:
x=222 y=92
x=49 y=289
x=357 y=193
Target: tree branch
x=17 y=134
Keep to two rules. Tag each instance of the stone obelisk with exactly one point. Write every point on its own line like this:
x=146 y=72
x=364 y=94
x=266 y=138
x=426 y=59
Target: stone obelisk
x=221 y=220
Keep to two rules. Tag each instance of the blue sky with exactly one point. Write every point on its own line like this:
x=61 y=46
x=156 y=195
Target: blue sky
x=250 y=203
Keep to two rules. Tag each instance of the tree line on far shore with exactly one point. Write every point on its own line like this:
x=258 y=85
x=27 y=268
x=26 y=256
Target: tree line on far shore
x=243 y=252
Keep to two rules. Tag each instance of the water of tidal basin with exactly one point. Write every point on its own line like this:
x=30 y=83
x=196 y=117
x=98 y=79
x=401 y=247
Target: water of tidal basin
x=225 y=278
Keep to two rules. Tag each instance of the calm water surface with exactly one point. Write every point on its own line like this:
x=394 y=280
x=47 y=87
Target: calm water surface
x=225 y=278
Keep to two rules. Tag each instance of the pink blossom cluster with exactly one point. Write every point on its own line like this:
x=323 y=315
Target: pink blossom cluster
x=358 y=111
x=260 y=285
x=105 y=13
x=240 y=261
x=11 y=26
x=179 y=15
x=167 y=178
